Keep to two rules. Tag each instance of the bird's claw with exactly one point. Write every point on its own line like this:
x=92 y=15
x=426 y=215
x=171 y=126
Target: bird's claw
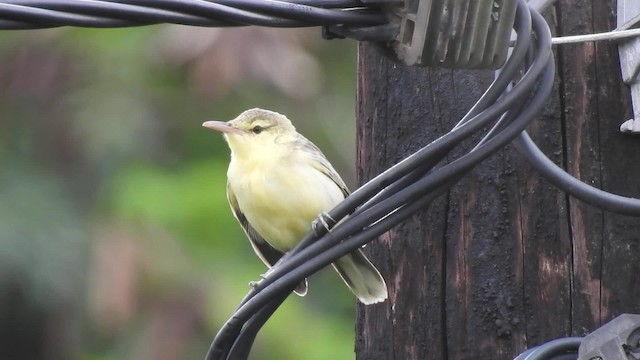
x=323 y=219
x=254 y=284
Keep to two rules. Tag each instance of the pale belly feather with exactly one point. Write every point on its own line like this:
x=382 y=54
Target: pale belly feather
x=281 y=204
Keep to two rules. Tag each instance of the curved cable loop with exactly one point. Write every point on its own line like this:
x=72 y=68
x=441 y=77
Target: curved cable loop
x=575 y=187
x=563 y=348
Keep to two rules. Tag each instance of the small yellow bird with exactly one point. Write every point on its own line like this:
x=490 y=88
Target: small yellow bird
x=278 y=183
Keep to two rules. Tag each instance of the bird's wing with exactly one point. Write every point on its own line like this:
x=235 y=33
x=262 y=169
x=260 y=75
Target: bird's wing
x=320 y=163
x=268 y=254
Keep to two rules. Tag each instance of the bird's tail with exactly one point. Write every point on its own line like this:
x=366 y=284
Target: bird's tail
x=362 y=277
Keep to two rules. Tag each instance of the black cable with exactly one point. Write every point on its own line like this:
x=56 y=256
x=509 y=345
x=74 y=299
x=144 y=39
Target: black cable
x=118 y=13
x=33 y=14
x=305 y=13
x=221 y=14
x=15 y=16
x=241 y=348
x=563 y=180
x=559 y=349
x=334 y=3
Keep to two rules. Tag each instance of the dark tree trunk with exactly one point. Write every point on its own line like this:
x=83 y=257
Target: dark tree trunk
x=504 y=261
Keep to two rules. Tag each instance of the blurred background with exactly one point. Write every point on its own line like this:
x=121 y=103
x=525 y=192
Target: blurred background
x=116 y=239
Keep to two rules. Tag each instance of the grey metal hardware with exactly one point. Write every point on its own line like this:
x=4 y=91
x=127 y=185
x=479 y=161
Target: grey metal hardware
x=454 y=33
x=618 y=339
x=629 y=50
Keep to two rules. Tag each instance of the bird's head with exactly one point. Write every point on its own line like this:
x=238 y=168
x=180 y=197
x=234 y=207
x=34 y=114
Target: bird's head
x=254 y=130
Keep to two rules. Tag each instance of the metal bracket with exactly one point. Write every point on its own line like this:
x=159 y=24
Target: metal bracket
x=454 y=33
x=629 y=51
x=618 y=339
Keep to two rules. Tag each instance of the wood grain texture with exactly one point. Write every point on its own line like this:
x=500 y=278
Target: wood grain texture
x=504 y=261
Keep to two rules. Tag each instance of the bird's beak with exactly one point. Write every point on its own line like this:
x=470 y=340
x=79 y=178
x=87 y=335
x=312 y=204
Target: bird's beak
x=221 y=126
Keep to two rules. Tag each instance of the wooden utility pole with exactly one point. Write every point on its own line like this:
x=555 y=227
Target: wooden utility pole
x=504 y=261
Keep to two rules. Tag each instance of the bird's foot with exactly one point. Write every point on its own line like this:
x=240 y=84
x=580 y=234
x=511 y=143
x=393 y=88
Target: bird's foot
x=324 y=220
x=254 y=284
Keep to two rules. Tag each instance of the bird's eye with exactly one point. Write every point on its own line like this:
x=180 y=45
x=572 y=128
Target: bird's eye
x=257 y=129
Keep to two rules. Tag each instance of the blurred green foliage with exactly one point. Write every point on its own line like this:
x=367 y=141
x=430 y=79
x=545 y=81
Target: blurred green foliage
x=116 y=240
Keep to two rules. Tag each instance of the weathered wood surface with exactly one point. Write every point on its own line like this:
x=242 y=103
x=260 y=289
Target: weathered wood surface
x=504 y=261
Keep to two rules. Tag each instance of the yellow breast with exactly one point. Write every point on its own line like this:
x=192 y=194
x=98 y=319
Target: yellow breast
x=280 y=197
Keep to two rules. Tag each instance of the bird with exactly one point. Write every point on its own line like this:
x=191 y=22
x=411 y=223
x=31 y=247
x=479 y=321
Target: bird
x=278 y=184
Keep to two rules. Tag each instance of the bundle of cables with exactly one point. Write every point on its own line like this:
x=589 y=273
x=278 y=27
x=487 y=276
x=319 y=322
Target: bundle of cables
x=34 y=14
x=409 y=186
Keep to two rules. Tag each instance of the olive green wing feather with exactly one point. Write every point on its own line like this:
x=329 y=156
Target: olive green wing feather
x=320 y=163
x=360 y=275
x=267 y=253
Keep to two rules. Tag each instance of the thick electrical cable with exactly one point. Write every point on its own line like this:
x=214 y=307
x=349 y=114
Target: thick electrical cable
x=563 y=348
x=573 y=186
x=36 y=14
